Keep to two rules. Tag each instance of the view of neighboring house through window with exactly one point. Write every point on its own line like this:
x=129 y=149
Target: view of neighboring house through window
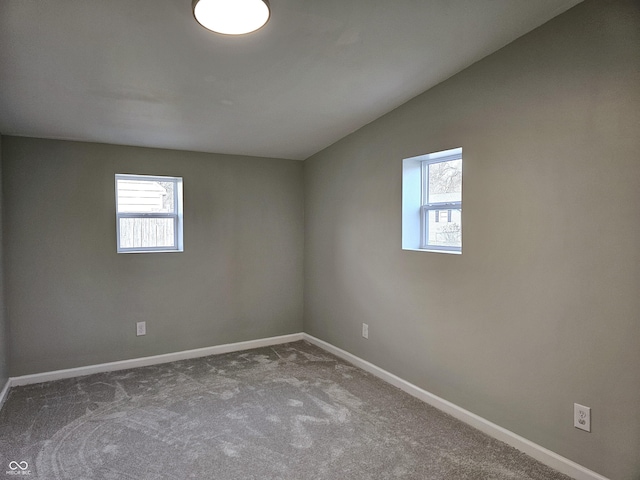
x=148 y=213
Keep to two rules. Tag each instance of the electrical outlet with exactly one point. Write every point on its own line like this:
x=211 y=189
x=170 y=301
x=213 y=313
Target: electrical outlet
x=141 y=328
x=582 y=417
x=365 y=330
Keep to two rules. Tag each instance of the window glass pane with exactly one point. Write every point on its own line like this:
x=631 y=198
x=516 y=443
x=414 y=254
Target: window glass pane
x=145 y=196
x=147 y=232
x=445 y=182
x=444 y=232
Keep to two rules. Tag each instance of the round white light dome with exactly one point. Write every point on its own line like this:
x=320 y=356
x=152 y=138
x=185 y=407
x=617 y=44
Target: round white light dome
x=231 y=17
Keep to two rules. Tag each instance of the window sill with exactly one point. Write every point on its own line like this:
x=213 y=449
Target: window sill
x=451 y=252
x=150 y=251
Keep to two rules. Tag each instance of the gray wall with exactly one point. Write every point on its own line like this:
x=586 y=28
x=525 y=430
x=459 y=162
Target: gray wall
x=4 y=371
x=542 y=308
x=73 y=301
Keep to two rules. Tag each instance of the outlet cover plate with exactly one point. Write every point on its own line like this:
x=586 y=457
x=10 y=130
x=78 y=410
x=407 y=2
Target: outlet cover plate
x=365 y=330
x=141 y=328
x=582 y=417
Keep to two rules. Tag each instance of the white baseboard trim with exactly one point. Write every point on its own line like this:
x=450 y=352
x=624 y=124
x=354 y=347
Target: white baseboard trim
x=5 y=392
x=549 y=458
x=534 y=450
x=153 y=360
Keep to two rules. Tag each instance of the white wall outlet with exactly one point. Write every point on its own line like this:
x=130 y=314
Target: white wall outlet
x=141 y=328
x=365 y=330
x=582 y=417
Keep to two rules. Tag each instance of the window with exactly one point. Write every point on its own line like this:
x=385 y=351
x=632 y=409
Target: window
x=148 y=213
x=432 y=202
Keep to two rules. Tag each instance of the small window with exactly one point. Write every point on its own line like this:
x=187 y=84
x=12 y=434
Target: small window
x=432 y=202
x=148 y=213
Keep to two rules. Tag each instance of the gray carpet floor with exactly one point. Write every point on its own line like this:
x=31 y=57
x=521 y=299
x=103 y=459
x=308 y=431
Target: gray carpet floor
x=290 y=411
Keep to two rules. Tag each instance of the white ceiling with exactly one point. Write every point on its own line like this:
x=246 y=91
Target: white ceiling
x=143 y=72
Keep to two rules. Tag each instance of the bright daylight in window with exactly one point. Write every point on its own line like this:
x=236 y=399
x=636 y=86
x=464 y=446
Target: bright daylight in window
x=148 y=213
x=432 y=202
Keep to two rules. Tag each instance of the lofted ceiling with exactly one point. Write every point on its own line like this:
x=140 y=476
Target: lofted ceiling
x=145 y=73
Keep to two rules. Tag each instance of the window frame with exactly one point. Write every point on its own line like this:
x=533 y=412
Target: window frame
x=426 y=207
x=176 y=215
x=413 y=199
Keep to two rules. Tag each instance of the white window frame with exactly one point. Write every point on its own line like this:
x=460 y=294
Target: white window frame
x=426 y=207
x=176 y=215
x=414 y=205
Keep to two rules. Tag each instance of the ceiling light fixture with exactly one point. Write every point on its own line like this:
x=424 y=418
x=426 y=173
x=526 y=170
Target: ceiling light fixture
x=231 y=17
